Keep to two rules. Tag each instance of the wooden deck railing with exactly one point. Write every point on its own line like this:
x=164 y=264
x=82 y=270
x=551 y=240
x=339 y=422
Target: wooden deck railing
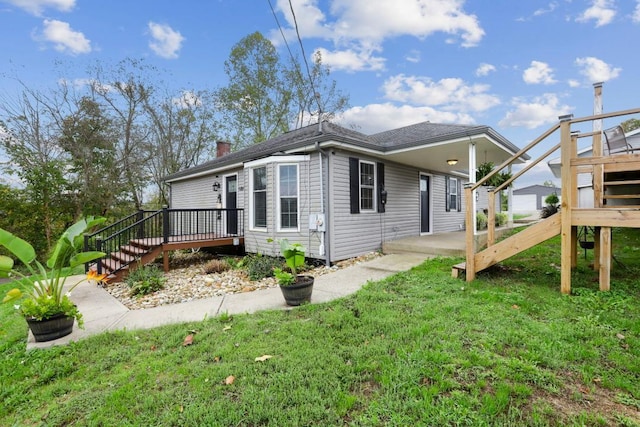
x=598 y=165
x=166 y=226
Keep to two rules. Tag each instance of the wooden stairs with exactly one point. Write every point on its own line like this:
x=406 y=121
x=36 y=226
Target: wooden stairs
x=512 y=245
x=138 y=252
x=140 y=238
x=614 y=201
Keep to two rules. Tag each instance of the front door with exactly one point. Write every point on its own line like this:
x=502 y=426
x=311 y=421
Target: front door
x=231 y=203
x=425 y=226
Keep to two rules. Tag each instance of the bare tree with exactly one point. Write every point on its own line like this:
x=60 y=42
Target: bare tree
x=181 y=129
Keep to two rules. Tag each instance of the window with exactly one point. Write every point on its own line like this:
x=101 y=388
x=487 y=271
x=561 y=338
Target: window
x=288 y=196
x=452 y=201
x=259 y=197
x=367 y=185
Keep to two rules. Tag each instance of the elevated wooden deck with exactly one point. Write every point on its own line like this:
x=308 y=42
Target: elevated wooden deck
x=140 y=238
x=616 y=203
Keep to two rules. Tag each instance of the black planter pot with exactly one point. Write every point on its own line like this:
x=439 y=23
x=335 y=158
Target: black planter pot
x=299 y=292
x=52 y=328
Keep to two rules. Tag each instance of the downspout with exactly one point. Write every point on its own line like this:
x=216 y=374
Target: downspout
x=324 y=238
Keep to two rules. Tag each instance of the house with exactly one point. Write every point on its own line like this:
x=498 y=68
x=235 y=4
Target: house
x=342 y=193
x=531 y=199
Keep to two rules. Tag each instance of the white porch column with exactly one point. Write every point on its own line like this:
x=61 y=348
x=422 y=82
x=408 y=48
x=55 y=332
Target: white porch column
x=472 y=179
x=510 y=202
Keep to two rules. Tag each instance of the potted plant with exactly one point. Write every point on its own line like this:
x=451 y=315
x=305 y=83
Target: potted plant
x=296 y=289
x=40 y=296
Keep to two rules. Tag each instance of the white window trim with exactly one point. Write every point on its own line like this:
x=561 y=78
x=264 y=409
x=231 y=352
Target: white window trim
x=453 y=191
x=252 y=227
x=430 y=192
x=373 y=187
x=278 y=210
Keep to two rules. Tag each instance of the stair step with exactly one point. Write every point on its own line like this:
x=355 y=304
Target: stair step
x=132 y=250
x=123 y=257
x=112 y=264
x=621 y=196
x=623 y=182
x=457 y=269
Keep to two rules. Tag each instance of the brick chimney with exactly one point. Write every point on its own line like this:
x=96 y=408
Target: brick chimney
x=222 y=148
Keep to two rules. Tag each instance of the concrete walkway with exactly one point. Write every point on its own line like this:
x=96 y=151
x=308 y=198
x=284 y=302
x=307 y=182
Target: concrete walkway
x=102 y=312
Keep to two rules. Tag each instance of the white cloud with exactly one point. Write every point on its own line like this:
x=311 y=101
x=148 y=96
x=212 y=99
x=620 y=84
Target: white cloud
x=596 y=70
x=351 y=61
x=36 y=7
x=358 y=28
x=550 y=8
x=601 y=11
x=413 y=56
x=187 y=99
x=375 y=118
x=531 y=114
x=538 y=73
x=450 y=93
x=484 y=69
x=573 y=83
x=166 y=42
x=375 y=20
x=636 y=13
x=64 y=38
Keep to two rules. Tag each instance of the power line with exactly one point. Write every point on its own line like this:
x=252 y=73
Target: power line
x=304 y=57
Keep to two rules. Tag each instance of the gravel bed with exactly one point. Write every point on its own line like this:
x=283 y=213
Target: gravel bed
x=186 y=281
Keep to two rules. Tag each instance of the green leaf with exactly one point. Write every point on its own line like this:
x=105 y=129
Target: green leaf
x=6 y=264
x=84 y=257
x=12 y=295
x=20 y=248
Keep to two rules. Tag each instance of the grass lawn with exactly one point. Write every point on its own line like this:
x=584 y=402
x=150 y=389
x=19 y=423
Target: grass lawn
x=419 y=348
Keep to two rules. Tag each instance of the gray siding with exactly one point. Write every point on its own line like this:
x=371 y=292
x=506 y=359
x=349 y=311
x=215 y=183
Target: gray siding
x=444 y=221
x=348 y=235
x=355 y=234
x=257 y=241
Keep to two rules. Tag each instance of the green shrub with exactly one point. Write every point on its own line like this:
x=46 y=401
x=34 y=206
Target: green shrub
x=552 y=199
x=260 y=266
x=501 y=219
x=214 y=266
x=145 y=280
x=481 y=221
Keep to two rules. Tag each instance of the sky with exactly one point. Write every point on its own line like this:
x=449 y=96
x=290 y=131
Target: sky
x=513 y=65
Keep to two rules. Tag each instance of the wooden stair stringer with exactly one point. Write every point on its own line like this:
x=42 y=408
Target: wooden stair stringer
x=531 y=236
x=143 y=259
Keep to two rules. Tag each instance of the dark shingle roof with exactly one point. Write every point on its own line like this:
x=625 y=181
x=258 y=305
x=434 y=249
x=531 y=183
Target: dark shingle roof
x=414 y=135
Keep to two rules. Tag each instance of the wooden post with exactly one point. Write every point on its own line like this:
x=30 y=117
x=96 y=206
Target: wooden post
x=566 y=203
x=596 y=249
x=574 y=198
x=605 y=258
x=491 y=217
x=598 y=170
x=470 y=267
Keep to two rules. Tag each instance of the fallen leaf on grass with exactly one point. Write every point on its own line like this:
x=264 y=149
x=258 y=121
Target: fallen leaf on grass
x=226 y=328
x=188 y=340
x=263 y=358
x=620 y=336
x=229 y=380
x=515 y=306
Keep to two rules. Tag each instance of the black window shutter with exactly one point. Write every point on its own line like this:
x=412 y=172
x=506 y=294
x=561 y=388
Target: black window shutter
x=459 y=181
x=354 y=184
x=380 y=180
x=447 y=195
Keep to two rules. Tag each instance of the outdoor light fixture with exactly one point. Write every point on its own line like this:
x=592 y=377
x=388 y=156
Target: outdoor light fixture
x=216 y=186
x=452 y=162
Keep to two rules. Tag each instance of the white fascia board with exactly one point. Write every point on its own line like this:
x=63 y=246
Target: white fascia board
x=276 y=159
x=206 y=172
